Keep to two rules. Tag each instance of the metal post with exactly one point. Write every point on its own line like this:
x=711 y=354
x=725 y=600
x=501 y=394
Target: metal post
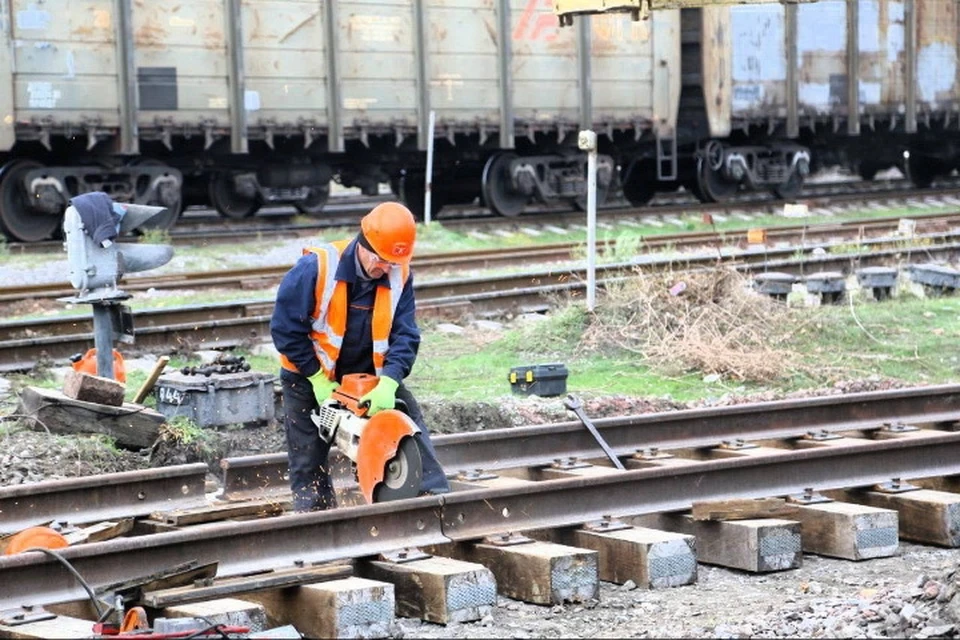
x=428 y=182
x=103 y=339
x=587 y=141
x=592 y=229
x=238 y=109
x=127 y=79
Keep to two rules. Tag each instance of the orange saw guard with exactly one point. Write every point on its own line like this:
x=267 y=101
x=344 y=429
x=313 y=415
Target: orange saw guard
x=35 y=537
x=379 y=445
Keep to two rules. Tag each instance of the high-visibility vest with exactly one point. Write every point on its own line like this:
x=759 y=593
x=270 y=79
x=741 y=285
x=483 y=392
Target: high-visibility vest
x=329 y=317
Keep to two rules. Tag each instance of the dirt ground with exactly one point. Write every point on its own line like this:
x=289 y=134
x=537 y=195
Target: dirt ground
x=908 y=595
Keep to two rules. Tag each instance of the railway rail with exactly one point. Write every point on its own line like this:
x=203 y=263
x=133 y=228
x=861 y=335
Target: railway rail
x=935 y=227
x=783 y=448
x=225 y=325
x=201 y=230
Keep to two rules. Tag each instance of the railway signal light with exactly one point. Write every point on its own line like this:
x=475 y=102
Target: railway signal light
x=97 y=263
x=100 y=265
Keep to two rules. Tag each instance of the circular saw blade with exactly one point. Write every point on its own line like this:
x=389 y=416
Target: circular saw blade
x=401 y=474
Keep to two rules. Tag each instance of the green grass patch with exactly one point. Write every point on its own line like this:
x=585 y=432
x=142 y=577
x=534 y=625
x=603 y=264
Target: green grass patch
x=906 y=339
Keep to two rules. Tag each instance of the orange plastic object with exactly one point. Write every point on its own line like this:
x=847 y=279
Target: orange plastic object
x=352 y=387
x=42 y=537
x=88 y=364
x=135 y=620
x=378 y=445
x=756 y=236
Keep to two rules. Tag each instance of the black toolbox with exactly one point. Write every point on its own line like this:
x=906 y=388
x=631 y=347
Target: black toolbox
x=539 y=380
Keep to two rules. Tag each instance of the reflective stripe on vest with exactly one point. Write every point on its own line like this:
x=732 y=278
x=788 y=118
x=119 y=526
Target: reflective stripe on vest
x=329 y=318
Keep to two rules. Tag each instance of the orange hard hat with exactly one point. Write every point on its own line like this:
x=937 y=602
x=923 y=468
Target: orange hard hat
x=391 y=231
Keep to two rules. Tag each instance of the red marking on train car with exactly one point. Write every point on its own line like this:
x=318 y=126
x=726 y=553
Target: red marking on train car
x=537 y=22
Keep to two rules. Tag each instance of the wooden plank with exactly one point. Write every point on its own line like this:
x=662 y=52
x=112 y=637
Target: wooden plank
x=59 y=627
x=218 y=588
x=151 y=380
x=147 y=527
x=742 y=509
x=925 y=516
x=131 y=425
x=535 y=571
x=758 y=546
x=488 y=483
x=950 y=484
x=652 y=559
x=227 y=611
x=176 y=576
x=215 y=512
x=436 y=589
x=100 y=532
x=591 y=471
x=848 y=531
x=89 y=388
x=349 y=608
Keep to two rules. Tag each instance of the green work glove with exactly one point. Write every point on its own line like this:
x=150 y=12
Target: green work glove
x=322 y=387
x=383 y=396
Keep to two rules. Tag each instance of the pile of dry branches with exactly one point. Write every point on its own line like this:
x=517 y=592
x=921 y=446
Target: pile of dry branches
x=707 y=322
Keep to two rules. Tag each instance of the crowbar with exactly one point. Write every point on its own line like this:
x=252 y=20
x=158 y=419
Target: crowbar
x=573 y=404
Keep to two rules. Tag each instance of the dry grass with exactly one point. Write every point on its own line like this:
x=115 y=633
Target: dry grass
x=705 y=322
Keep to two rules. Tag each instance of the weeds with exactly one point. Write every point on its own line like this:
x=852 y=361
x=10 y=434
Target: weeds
x=181 y=430
x=154 y=236
x=705 y=322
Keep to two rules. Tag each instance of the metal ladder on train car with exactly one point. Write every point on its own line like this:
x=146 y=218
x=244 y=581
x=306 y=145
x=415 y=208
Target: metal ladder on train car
x=666 y=158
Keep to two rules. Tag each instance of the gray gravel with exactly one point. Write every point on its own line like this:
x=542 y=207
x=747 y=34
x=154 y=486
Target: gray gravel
x=908 y=596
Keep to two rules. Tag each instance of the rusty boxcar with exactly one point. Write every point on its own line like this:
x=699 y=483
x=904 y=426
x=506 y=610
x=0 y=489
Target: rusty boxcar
x=244 y=102
x=864 y=83
x=238 y=103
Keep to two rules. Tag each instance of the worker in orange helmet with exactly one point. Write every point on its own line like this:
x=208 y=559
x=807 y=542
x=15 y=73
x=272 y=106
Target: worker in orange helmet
x=348 y=307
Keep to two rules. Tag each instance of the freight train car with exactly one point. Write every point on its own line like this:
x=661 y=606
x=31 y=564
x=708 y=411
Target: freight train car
x=245 y=102
x=867 y=84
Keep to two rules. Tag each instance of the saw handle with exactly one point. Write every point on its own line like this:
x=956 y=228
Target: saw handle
x=400 y=406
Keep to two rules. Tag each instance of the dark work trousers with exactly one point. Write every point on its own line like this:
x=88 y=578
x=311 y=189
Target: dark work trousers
x=307 y=453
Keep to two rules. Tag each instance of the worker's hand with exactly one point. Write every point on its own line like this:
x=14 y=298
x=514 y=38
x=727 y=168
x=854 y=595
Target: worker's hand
x=322 y=387
x=383 y=396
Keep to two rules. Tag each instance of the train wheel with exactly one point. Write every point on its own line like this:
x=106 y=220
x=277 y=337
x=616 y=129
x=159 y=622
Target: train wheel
x=580 y=202
x=791 y=188
x=315 y=202
x=923 y=171
x=411 y=192
x=868 y=170
x=498 y=194
x=639 y=188
x=713 y=187
x=228 y=202
x=164 y=220
x=17 y=219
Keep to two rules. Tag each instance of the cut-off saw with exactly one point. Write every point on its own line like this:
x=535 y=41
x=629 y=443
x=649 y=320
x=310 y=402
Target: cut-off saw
x=386 y=458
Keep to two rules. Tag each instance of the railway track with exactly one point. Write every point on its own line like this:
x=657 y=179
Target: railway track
x=198 y=229
x=541 y=481
x=225 y=325
x=936 y=227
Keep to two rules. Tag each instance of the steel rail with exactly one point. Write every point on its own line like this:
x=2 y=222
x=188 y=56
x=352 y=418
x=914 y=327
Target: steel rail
x=225 y=325
x=104 y=497
x=448 y=288
x=429 y=264
x=666 y=204
x=32 y=578
x=495 y=449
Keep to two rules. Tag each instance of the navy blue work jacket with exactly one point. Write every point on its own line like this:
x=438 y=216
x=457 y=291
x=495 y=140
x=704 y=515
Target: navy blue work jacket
x=290 y=325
